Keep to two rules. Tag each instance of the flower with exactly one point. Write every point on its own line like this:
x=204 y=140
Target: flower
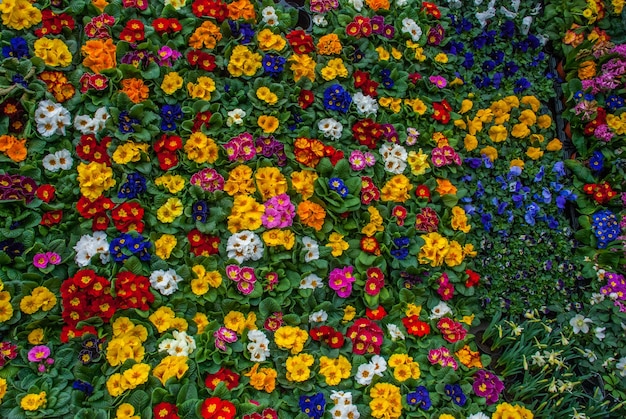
x=580 y=323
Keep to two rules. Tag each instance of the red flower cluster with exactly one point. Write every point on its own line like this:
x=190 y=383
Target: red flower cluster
x=327 y=335
x=360 y=26
x=216 y=408
x=210 y=8
x=422 y=191
x=600 y=119
x=362 y=81
x=366 y=337
x=452 y=331
x=201 y=119
x=86 y=295
x=414 y=326
x=377 y=313
x=224 y=375
x=51 y=218
x=472 y=278
x=431 y=9
x=99 y=26
x=370 y=245
x=134 y=31
x=88 y=148
x=8 y=351
x=367 y=132
x=400 y=213
x=88 y=81
x=267 y=413
x=165 y=410
x=166 y=25
x=300 y=41
x=441 y=111
x=137 y=4
x=445 y=287
x=95 y=210
x=369 y=190
x=70 y=332
x=166 y=148
x=602 y=192
x=128 y=217
x=201 y=59
x=133 y=291
x=310 y=151
x=375 y=281
x=427 y=220
x=58 y=84
x=53 y=24
x=203 y=244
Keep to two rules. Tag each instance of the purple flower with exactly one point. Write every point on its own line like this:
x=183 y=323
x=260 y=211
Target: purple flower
x=38 y=353
x=487 y=385
x=53 y=258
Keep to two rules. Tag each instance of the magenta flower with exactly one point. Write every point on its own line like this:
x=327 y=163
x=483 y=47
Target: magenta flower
x=225 y=334
x=38 y=353
x=341 y=281
x=53 y=258
x=40 y=260
x=245 y=287
x=232 y=272
x=488 y=385
x=438 y=81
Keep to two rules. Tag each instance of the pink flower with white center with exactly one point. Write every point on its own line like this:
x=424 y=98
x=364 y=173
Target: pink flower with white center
x=357 y=160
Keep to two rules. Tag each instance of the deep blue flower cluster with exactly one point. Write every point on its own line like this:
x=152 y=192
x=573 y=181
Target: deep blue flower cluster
x=133 y=245
x=83 y=386
x=273 y=64
x=336 y=98
x=386 y=79
x=338 y=185
x=12 y=248
x=605 y=227
x=455 y=392
x=17 y=48
x=200 y=211
x=134 y=186
x=614 y=102
x=170 y=114
x=401 y=248
x=596 y=162
x=126 y=122
x=420 y=398
x=244 y=30
x=313 y=406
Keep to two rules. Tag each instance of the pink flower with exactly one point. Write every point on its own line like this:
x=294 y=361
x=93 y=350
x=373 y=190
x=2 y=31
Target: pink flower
x=438 y=81
x=341 y=281
x=53 y=258
x=40 y=260
x=38 y=353
x=232 y=272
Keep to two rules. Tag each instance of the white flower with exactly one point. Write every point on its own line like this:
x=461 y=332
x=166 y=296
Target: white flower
x=401 y=3
x=596 y=298
x=440 y=310
x=318 y=317
x=311 y=281
x=538 y=359
x=89 y=246
x=345 y=412
x=395 y=332
x=235 y=117
x=365 y=374
x=410 y=27
x=83 y=123
x=312 y=249
x=621 y=366
x=580 y=323
x=269 y=16
x=244 y=245
x=380 y=365
x=166 y=282
x=357 y=4
x=268 y=11
x=51 y=118
x=64 y=159
x=590 y=355
x=320 y=20
x=51 y=163
x=258 y=346
x=365 y=104
x=479 y=415
x=599 y=332
x=341 y=397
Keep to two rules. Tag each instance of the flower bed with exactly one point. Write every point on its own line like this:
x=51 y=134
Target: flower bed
x=217 y=209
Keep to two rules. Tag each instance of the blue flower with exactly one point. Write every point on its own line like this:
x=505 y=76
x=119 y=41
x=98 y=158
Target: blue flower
x=420 y=398
x=337 y=185
x=134 y=186
x=596 y=162
x=454 y=47
x=336 y=98
x=559 y=169
x=17 y=48
x=273 y=64
x=455 y=392
x=83 y=386
x=170 y=114
x=614 y=102
x=126 y=122
x=539 y=175
x=200 y=211
x=485 y=219
x=507 y=29
x=468 y=61
x=605 y=227
x=313 y=406
x=510 y=68
x=521 y=84
x=473 y=162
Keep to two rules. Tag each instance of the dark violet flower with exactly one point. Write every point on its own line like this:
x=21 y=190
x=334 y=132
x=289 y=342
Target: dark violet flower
x=488 y=65
x=485 y=219
x=273 y=64
x=83 y=386
x=510 y=68
x=468 y=61
x=473 y=162
x=507 y=29
x=521 y=84
x=17 y=48
x=496 y=80
x=454 y=47
x=455 y=392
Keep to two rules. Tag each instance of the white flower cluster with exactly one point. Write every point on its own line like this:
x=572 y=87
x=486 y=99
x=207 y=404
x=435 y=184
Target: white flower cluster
x=357 y=4
x=440 y=310
x=394 y=156
x=312 y=249
x=320 y=20
x=343 y=408
x=319 y=316
x=59 y=160
x=412 y=28
x=51 y=118
x=395 y=332
x=235 y=117
x=401 y=3
x=269 y=16
x=181 y=345
x=365 y=105
x=366 y=372
x=258 y=345
x=330 y=127
x=166 y=282
x=311 y=281
x=88 y=125
x=89 y=246
x=244 y=245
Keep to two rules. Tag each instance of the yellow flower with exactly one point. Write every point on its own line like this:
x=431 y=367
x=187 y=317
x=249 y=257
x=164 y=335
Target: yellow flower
x=417 y=105
x=554 y=145
x=28 y=305
x=32 y=402
x=534 y=153
x=201 y=149
x=508 y=411
x=459 y=220
x=270 y=41
x=397 y=188
x=115 y=385
x=498 y=133
x=171 y=83
x=54 y=52
x=202 y=321
x=162 y=318
x=6 y=310
x=94 y=178
x=386 y=401
x=544 y=121
x=454 y=255
x=169 y=211
x=270 y=182
x=303 y=182
x=335 y=369
x=263 y=379
x=412 y=310
x=268 y=123
x=137 y=375
x=395 y=53
x=349 y=312
x=528 y=117
x=298 y=367
x=173 y=183
x=302 y=65
x=236 y=321
x=444 y=186
x=383 y=54
x=376 y=222
x=532 y=101
x=164 y=245
x=470 y=142
x=3 y=388
x=35 y=337
x=517 y=162
x=336 y=242
x=490 y=152
x=466 y=106
x=125 y=411
x=441 y=58
x=266 y=95
x=433 y=250
x=202 y=88
x=171 y=366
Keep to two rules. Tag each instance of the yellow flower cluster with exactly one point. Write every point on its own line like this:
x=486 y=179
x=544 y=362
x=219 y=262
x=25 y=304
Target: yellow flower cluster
x=417 y=105
x=39 y=298
x=36 y=337
x=386 y=401
x=376 y=223
x=396 y=189
x=244 y=62
x=235 y=320
x=291 y=338
x=201 y=149
x=263 y=379
x=384 y=55
x=394 y=104
x=202 y=88
x=171 y=366
x=337 y=243
x=245 y=215
x=298 y=367
x=329 y=44
x=126 y=411
x=200 y=285
x=32 y=402
x=6 y=309
x=208 y=35
x=469 y=358
x=3 y=388
x=239 y=181
x=173 y=183
x=171 y=83
x=165 y=318
x=266 y=95
x=508 y=411
x=459 y=220
x=172 y=209
x=333 y=69
x=94 y=178
x=202 y=321
x=418 y=50
x=53 y=52
x=19 y=14
x=617 y=123
x=164 y=245
x=135 y=376
x=303 y=182
x=270 y=182
x=277 y=237
x=404 y=367
x=270 y=41
x=268 y=123
x=302 y=65
x=335 y=369
x=437 y=249
x=130 y=152
x=127 y=342
x=418 y=162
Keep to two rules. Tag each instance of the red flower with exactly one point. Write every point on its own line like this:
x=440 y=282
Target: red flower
x=305 y=98
x=370 y=245
x=472 y=278
x=375 y=314
x=414 y=326
x=45 y=192
x=228 y=377
x=400 y=213
x=441 y=111
x=214 y=408
x=165 y=410
x=300 y=41
x=51 y=218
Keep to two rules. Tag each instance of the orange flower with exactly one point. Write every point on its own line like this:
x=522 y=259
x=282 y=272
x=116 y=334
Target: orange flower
x=311 y=214
x=99 y=55
x=241 y=9
x=136 y=90
x=444 y=186
x=329 y=45
x=17 y=152
x=6 y=142
x=100 y=4
x=378 y=4
x=587 y=70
